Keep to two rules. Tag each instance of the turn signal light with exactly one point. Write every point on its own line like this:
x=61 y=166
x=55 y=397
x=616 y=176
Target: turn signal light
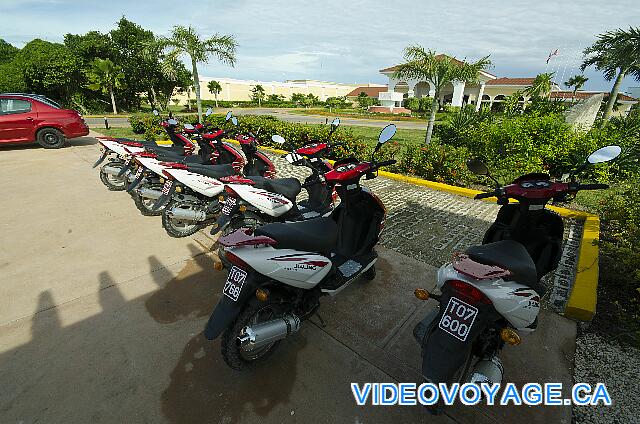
x=161 y=180
x=422 y=294
x=262 y=295
x=509 y=336
x=242 y=208
x=220 y=199
x=178 y=189
x=218 y=266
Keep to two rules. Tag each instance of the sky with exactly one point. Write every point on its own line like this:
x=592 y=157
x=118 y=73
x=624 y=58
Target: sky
x=349 y=41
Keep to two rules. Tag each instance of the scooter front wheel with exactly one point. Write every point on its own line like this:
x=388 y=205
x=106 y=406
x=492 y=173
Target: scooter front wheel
x=253 y=312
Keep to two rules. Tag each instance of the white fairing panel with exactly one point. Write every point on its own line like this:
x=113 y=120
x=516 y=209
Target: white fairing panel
x=519 y=304
x=295 y=268
x=273 y=204
x=202 y=184
x=152 y=164
x=119 y=148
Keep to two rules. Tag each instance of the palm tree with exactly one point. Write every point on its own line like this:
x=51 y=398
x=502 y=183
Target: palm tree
x=257 y=94
x=186 y=41
x=616 y=54
x=577 y=82
x=438 y=70
x=104 y=75
x=214 y=88
x=541 y=86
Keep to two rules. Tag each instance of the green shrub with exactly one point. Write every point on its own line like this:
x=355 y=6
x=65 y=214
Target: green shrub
x=142 y=122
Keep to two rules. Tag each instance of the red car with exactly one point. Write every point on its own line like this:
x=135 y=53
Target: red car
x=25 y=118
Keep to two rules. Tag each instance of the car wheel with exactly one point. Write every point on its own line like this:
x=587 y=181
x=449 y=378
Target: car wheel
x=50 y=138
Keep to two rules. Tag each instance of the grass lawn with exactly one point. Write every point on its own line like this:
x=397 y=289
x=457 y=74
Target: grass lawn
x=119 y=132
x=355 y=113
x=370 y=134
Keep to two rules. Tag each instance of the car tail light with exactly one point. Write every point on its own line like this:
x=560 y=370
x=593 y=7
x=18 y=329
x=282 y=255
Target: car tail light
x=235 y=260
x=468 y=292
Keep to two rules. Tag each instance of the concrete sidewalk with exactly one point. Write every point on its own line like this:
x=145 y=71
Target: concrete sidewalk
x=103 y=323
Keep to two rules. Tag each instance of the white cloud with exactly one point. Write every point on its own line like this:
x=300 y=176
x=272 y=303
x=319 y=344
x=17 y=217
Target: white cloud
x=348 y=41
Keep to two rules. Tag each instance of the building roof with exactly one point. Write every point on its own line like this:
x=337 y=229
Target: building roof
x=370 y=91
x=586 y=94
x=395 y=67
x=511 y=81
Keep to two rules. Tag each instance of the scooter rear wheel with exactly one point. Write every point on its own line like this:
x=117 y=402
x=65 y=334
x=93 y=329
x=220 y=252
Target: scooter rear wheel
x=145 y=205
x=253 y=312
x=113 y=182
x=178 y=228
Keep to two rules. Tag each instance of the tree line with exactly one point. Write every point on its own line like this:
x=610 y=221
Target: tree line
x=97 y=71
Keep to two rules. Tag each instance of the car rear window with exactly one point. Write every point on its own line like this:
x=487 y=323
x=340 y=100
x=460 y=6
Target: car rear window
x=8 y=106
x=48 y=101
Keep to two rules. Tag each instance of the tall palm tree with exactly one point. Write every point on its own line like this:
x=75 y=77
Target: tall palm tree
x=186 y=41
x=104 y=75
x=616 y=54
x=438 y=70
x=214 y=88
x=541 y=86
x=577 y=82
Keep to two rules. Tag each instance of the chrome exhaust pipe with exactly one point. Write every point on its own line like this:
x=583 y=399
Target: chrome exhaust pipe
x=487 y=371
x=186 y=214
x=111 y=170
x=149 y=193
x=260 y=335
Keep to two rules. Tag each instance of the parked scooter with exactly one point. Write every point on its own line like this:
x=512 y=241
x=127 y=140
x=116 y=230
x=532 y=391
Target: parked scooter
x=148 y=180
x=281 y=270
x=251 y=202
x=118 y=151
x=491 y=293
x=191 y=193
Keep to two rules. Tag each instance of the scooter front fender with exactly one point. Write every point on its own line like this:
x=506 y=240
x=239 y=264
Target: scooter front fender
x=227 y=309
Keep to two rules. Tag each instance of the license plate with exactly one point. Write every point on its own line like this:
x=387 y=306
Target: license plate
x=458 y=318
x=229 y=205
x=234 y=283
x=167 y=187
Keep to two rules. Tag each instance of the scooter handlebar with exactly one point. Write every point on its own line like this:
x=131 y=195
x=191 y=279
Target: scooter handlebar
x=593 y=186
x=485 y=195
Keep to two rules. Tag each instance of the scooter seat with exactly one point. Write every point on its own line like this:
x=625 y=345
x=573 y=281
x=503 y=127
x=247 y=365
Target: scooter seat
x=288 y=187
x=510 y=255
x=314 y=235
x=213 y=171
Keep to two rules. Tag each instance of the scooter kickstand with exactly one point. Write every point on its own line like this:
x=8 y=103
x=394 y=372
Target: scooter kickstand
x=322 y=323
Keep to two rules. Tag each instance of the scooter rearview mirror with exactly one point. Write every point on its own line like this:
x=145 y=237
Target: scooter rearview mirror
x=604 y=154
x=335 y=123
x=276 y=138
x=155 y=112
x=188 y=126
x=226 y=118
x=172 y=122
x=234 y=121
x=478 y=167
x=208 y=112
x=386 y=134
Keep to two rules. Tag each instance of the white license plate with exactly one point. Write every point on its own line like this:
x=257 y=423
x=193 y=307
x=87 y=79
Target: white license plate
x=167 y=186
x=458 y=318
x=229 y=204
x=234 y=283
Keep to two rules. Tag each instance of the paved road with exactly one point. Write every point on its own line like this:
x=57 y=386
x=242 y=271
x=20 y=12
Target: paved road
x=282 y=114
x=101 y=314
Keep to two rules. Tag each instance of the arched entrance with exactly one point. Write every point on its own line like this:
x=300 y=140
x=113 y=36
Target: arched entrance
x=421 y=89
